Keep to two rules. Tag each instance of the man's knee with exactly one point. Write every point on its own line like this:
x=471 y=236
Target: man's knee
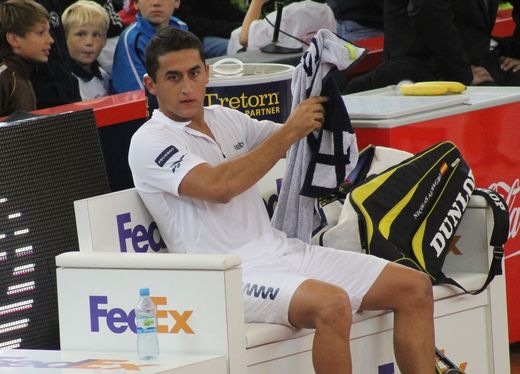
x=419 y=292
x=335 y=311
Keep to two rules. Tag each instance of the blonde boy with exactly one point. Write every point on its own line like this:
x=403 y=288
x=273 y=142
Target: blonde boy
x=24 y=41
x=86 y=23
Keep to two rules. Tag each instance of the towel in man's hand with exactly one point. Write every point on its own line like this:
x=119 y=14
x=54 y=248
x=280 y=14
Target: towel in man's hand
x=314 y=170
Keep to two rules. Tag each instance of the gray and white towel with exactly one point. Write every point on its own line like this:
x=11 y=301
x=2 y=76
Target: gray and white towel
x=297 y=215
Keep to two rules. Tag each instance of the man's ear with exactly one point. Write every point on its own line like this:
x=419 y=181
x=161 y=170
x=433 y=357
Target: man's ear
x=207 y=73
x=177 y=4
x=149 y=84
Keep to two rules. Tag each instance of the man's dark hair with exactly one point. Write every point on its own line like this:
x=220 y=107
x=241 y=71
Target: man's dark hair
x=166 y=40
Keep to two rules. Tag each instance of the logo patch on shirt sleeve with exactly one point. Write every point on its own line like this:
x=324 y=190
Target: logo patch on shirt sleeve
x=177 y=164
x=165 y=155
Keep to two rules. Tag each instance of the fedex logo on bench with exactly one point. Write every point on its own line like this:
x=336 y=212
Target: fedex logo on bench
x=140 y=237
x=169 y=321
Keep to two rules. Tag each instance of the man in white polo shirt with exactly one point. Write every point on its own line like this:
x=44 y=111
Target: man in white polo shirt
x=196 y=167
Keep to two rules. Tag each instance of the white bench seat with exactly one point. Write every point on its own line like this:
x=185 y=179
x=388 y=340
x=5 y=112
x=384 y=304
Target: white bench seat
x=258 y=334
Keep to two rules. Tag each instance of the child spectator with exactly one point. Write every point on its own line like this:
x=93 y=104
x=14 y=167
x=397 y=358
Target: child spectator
x=211 y=21
x=24 y=42
x=86 y=23
x=53 y=82
x=128 y=68
x=301 y=19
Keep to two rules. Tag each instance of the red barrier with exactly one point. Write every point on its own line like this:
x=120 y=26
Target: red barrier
x=108 y=110
x=373 y=58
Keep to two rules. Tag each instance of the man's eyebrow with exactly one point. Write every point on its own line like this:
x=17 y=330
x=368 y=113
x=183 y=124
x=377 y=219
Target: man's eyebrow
x=168 y=72
x=172 y=72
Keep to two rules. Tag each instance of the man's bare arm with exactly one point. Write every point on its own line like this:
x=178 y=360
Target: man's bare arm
x=223 y=182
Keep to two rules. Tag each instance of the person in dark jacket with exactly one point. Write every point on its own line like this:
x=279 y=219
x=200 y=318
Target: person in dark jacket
x=25 y=41
x=53 y=82
x=358 y=19
x=509 y=47
x=212 y=21
x=439 y=40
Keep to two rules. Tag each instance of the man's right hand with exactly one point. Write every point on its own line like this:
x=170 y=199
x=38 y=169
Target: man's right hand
x=306 y=117
x=480 y=75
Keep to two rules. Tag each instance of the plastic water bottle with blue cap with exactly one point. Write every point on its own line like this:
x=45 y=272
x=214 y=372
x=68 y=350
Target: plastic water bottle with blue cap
x=146 y=323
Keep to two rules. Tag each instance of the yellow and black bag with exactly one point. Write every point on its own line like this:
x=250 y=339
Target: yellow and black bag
x=409 y=212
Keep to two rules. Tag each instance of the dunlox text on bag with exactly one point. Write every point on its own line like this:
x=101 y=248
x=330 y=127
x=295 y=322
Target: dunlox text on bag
x=409 y=212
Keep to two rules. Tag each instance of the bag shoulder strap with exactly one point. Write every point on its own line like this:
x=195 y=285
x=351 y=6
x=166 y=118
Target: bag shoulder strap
x=499 y=236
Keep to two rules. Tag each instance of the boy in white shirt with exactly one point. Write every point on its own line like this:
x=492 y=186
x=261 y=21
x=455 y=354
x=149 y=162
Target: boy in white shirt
x=86 y=24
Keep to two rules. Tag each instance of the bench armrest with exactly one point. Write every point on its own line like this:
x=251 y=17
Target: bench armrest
x=173 y=261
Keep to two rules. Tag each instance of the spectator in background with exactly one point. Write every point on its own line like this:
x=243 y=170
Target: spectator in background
x=439 y=40
x=212 y=21
x=128 y=12
x=300 y=19
x=358 y=19
x=25 y=41
x=128 y=68
x=115 y=27
x=86 y=25
x=509 y=47
x=53 y=82
x=516 y=17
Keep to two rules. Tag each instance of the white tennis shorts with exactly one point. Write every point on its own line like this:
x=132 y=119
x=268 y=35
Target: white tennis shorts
x=269 y=286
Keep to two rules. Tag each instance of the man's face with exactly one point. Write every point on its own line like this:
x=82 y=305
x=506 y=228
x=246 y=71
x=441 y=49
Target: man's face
x=85 y=43
x=35 y=45
x=157 y=12
x=180 y=84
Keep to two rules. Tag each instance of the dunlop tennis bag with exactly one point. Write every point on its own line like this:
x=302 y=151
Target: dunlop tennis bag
x=409 y=213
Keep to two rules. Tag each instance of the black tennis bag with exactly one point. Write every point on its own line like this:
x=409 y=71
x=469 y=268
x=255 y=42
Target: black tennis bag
x=409 y=213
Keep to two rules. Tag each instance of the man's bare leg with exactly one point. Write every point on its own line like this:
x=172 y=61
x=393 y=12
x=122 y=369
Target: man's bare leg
x=408 y=293
x=326 y=308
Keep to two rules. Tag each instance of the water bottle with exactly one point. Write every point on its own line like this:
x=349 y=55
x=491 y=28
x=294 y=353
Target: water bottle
x=146 y=323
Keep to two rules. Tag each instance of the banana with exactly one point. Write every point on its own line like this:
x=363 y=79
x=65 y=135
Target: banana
x=431 y=88
x=422 y=90
x=453 y=87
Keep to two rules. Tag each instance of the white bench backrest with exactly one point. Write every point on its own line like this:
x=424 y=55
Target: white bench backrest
x=118 y=222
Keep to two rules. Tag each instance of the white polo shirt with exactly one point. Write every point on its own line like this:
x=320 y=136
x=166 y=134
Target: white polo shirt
x=163 y=151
